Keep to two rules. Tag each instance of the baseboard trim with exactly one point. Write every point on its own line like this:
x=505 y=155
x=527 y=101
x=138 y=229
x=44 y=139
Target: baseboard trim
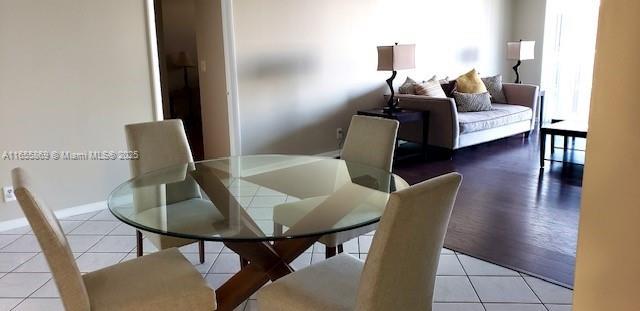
x=62 y=213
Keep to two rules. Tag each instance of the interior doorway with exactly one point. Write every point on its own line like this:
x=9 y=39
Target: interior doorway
x=178 y=62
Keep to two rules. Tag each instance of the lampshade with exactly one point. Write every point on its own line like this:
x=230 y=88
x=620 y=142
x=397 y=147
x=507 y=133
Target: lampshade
x=183 y=60
x=396 y=57
x=521 y=50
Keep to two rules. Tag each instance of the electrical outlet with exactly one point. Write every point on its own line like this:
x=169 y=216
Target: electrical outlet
x=8 y=194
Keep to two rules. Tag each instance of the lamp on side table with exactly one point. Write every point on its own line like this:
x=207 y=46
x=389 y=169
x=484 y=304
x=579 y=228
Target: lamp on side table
x=520 y=50
x=393 y=58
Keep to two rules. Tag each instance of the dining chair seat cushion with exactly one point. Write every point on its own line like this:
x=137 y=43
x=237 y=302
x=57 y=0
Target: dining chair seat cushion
x=288 y=214
x=194 y=215
x=329 y=285
x=165 y=280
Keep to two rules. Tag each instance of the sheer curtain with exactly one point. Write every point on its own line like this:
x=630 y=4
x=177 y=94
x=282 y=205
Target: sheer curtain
x=568 y=53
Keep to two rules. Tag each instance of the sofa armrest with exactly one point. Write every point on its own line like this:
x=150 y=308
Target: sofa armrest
x=526 y=95
x=521 y=94
x=443 y=119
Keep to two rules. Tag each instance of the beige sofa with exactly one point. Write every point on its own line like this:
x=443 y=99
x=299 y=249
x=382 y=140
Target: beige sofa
x=453 y=130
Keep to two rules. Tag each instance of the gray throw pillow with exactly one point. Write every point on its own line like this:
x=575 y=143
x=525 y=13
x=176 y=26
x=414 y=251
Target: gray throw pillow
x=494 y=86
x=466 y=102
x=408 y=87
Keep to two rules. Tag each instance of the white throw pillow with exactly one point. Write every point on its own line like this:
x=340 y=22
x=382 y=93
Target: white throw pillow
x=431 y=88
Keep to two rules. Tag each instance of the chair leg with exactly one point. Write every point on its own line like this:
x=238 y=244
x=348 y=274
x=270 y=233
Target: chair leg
x=329 y=252
x=201 y=250
x=340 y=248
x=277 y=229
x=138 y=243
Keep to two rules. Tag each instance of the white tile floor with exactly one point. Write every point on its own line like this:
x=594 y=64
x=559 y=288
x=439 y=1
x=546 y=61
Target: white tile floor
x=98 y=240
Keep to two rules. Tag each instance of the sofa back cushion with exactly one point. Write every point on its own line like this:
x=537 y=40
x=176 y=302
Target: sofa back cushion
x=494 y=86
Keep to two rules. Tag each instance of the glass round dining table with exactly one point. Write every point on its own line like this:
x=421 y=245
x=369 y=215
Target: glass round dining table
x=267 y=208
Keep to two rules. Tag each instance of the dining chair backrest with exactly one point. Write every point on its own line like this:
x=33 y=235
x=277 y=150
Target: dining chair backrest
x=162 y=144
x=400 y=269
x=159 y=143
x=370 y=141
x=54 y=244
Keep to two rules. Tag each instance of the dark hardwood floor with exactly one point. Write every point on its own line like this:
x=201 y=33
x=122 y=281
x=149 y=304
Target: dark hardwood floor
x=508 y=211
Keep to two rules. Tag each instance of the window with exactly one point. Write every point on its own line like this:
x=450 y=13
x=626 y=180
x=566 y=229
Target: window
x=568 y=54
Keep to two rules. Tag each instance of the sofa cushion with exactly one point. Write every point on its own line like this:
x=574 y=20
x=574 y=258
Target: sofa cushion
x=472 y=102
x=448 y=87
x=431 y=88
x=470 y=82
x=501 y=114
x=494 y=86
x=408 y=87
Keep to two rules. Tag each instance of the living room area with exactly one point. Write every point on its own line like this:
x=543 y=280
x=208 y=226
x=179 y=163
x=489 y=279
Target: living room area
x=277 y=109
x=520 y=203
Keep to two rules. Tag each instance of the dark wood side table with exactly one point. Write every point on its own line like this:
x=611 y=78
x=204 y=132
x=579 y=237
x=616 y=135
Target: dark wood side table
x=562 y=128
x=404 y=116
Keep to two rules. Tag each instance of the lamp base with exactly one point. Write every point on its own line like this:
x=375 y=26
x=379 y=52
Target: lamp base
x=392 y=109
x=392 y=104
x=515 y=68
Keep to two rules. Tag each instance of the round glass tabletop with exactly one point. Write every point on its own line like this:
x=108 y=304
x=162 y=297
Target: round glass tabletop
x=254 y=198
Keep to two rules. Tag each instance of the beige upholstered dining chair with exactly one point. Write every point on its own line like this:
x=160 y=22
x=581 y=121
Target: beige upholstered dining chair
x=161 y=281
x=400 y=270
x=370 y=141
x=162 y=144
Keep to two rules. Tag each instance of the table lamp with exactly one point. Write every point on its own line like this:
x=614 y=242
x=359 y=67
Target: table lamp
x=393 y=58
x=520 y=50
x=184 y=61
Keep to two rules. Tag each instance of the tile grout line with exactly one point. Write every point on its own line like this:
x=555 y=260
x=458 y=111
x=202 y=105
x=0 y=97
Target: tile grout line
x=40 y=251
x=469 y=279
x=75 y=259
x=533 y=291
x=22 y=299
x=216 y=256
x=214 y=262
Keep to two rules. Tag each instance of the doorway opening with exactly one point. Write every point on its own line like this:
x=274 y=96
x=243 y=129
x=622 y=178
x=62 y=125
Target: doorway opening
x=178 y=62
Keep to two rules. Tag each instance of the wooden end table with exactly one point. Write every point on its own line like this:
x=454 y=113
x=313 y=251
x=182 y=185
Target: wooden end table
x=404 y=116
x=562 y=128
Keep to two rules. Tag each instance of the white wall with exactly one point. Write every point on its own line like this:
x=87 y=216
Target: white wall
x=305 y=66
x=607 y=265
x=73 y=73
x=528 y=18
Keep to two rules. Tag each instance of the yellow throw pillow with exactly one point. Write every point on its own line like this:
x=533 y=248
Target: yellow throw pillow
x=470 y=82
